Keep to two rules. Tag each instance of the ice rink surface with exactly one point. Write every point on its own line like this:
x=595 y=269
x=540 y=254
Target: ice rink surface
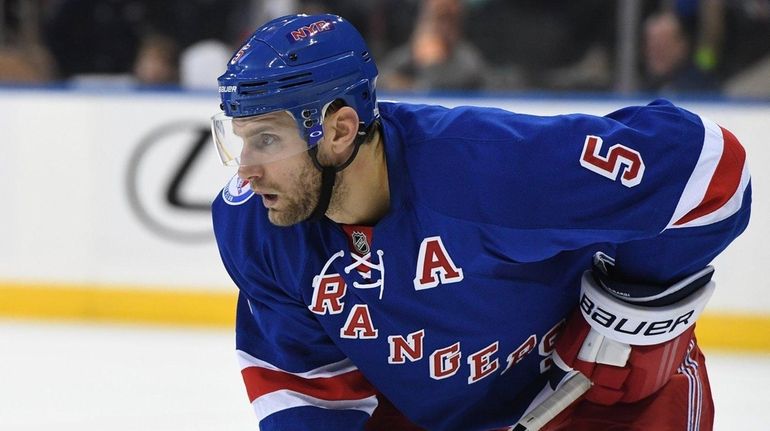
x=84 y=377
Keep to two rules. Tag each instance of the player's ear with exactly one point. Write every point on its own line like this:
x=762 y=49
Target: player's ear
x=340 y=130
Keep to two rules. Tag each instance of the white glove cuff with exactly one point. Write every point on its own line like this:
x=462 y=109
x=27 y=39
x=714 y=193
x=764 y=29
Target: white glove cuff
x=638 y=325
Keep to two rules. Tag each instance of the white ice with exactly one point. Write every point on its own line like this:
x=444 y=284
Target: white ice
x=84 y=377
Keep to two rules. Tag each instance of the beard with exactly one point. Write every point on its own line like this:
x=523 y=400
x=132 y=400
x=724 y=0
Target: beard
x=299 y=199
x=301 y=195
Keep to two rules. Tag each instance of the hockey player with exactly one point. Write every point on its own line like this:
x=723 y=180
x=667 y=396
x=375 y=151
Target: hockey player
x=411 y=267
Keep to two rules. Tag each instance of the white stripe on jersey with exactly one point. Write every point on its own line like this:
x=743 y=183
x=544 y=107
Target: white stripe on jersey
x=276 y=401
x=326 y=387
x=729 y=208
x=331 y=370
x=696 y=187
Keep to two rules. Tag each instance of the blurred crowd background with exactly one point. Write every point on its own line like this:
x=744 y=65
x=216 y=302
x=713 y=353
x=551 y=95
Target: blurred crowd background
x=713 y=47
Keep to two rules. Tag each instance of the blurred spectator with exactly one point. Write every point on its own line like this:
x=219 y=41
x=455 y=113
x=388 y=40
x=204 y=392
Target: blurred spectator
x=545 y=44
x=437 y=56
x=754 y=82
x=201 y=64
x=668 y=51
x=104 y=36
x=264 y=11
x=430 y=44
x=748 y=34
x=23 y=57
x=157 y=62
x=91 y=36
x=25 y=66
x=709 y=34
x=592 y=72
x=747 y=43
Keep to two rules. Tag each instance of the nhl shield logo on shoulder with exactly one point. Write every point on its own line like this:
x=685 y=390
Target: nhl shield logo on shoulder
x=360 y=242
x=237 y=191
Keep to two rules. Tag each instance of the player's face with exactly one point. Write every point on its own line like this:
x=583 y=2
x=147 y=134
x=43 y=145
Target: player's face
x=290 y=186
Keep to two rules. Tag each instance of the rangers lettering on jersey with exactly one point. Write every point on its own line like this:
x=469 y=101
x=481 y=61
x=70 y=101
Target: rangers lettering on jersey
x=359 y=324
x=434 y=266
x=517 y=355
x=328 y=291
x=445 y=362
x=409 y=347
x=480 y=363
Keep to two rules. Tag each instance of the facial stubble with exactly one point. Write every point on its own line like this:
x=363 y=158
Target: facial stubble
x=302 y=197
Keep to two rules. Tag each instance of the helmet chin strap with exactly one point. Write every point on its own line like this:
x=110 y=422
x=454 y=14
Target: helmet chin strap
x=328 y=177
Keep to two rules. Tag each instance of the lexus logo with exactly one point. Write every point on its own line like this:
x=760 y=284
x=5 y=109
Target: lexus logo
x=172 y=179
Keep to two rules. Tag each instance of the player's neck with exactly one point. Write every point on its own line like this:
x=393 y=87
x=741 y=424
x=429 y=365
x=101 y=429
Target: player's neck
x=365 y=195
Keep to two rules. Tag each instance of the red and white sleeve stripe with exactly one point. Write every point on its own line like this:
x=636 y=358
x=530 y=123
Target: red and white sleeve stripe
x=337 y=386
x=715 y=189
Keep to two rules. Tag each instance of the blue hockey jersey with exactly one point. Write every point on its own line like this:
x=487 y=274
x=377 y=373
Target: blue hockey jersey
x=448 y=308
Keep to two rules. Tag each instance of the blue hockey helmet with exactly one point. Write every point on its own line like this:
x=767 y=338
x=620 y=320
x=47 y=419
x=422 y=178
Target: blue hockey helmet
x=299 y=64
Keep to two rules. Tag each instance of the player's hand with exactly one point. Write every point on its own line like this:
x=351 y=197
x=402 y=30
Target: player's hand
x=619 y=372
x=629 y=348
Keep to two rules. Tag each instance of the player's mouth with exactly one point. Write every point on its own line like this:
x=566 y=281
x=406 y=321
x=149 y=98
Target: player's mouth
x=268 y=199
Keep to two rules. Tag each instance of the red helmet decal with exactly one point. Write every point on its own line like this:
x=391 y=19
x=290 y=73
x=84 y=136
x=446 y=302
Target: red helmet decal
x=310 y=30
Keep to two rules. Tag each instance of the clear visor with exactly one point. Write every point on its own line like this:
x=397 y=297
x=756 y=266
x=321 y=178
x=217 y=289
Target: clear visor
x=257 y=140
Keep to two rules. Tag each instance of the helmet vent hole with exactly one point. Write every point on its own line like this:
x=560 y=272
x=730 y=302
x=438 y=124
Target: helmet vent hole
x=253 y=88
x=297 y=76
x=253 y=84
x=253 y=92
x=295 y=84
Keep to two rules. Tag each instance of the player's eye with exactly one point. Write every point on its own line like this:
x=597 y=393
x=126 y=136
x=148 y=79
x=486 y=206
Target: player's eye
x=264 y=142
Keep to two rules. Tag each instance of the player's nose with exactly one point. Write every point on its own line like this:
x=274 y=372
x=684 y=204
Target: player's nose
x=251 y=172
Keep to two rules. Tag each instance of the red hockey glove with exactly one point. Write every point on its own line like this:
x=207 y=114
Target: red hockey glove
x=630 y=350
